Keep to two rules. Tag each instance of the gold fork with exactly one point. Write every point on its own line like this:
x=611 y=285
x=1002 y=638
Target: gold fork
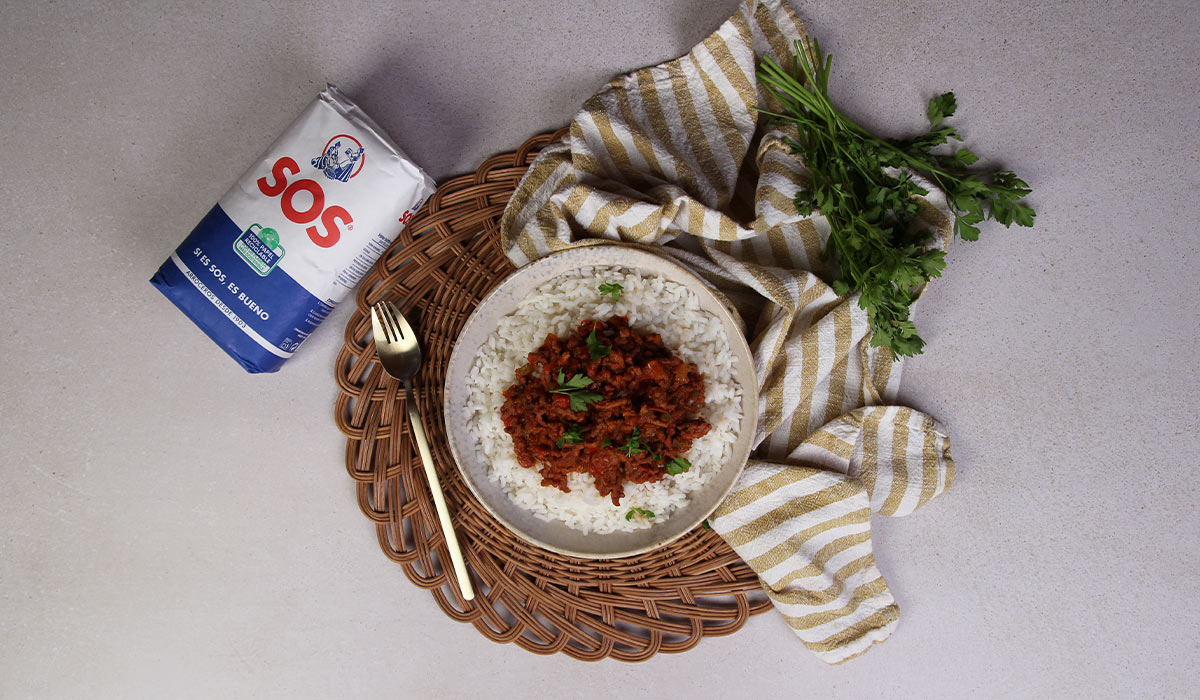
x=400 y=356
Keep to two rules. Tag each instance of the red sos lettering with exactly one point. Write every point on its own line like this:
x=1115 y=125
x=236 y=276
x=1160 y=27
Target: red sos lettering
x=329 y=216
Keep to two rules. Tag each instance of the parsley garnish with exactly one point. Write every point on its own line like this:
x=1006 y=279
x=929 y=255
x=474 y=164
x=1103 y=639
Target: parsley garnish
x=875 y=241
x=678 y=465
x=573 y=389
x=596 y=349
x=638 y=511
x=941 y=107
x=578 y=381
x=572 y=436
x=611 y=289
x=705 y=524
x=634 y=444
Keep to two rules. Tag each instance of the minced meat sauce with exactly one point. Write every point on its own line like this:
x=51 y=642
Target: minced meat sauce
x=607 y=401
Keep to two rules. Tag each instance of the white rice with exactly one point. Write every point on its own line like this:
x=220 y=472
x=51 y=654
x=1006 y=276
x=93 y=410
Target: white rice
x=652 y=304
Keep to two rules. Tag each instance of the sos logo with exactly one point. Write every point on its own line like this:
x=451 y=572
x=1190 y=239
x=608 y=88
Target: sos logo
x=330 y=217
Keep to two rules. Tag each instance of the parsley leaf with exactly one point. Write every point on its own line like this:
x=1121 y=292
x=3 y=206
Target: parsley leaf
x=877 y=242
x=638 y=511
x=705 y=525
x=579 y=381
x=941 y=107
x=596 y=349
x=581 y=399
x=678 y=465
x=571 y=436
x=573 y=389
x=611 y=289
x=633 y=445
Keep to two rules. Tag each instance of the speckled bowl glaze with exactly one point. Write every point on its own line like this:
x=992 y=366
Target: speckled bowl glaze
x=554 y=535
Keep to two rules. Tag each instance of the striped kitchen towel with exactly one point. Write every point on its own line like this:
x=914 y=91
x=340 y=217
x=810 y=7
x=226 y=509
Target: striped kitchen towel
x=675 y=155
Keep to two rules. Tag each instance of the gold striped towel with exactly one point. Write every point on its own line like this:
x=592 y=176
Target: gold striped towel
x=675 y=155
x=804 y=523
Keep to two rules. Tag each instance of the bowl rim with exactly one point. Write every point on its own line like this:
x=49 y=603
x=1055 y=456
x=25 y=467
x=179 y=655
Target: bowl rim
x=630 y=255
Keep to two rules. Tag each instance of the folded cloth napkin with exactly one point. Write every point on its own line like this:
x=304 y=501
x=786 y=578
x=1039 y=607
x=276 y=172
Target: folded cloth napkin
x=676 y=156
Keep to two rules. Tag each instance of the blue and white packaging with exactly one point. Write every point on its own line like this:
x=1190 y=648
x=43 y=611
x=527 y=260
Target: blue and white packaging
x=295 y=234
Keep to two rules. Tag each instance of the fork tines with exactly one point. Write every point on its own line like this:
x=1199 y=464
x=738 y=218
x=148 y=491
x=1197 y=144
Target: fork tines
x=386 y=316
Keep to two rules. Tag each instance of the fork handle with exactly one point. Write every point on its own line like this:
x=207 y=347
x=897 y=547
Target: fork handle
x=439 y=499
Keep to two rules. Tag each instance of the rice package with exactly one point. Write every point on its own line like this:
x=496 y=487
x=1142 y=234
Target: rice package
x=295 y=234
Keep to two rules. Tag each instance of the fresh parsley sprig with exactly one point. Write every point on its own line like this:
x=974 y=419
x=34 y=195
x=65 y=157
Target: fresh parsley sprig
x=611 y=289
x=875 y=240
x=596 y=349
x=633 y=445
x=571 y=436
x=573 y=389
x=678 y=465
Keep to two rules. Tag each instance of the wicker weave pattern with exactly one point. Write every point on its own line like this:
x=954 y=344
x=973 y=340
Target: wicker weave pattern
x=442 y=265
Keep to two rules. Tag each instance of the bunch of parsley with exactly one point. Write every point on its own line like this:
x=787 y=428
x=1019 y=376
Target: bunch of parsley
x=876 y=241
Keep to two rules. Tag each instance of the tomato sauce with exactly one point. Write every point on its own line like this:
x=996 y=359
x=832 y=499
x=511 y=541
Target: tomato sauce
x=607 y=401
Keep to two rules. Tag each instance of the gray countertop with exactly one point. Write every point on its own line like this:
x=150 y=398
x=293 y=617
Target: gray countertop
x=173 y=527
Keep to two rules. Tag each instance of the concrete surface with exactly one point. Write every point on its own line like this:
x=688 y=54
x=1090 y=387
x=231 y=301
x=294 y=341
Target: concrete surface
x=171 y=527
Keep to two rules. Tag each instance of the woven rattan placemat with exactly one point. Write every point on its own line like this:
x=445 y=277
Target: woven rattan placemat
x=437 y=271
